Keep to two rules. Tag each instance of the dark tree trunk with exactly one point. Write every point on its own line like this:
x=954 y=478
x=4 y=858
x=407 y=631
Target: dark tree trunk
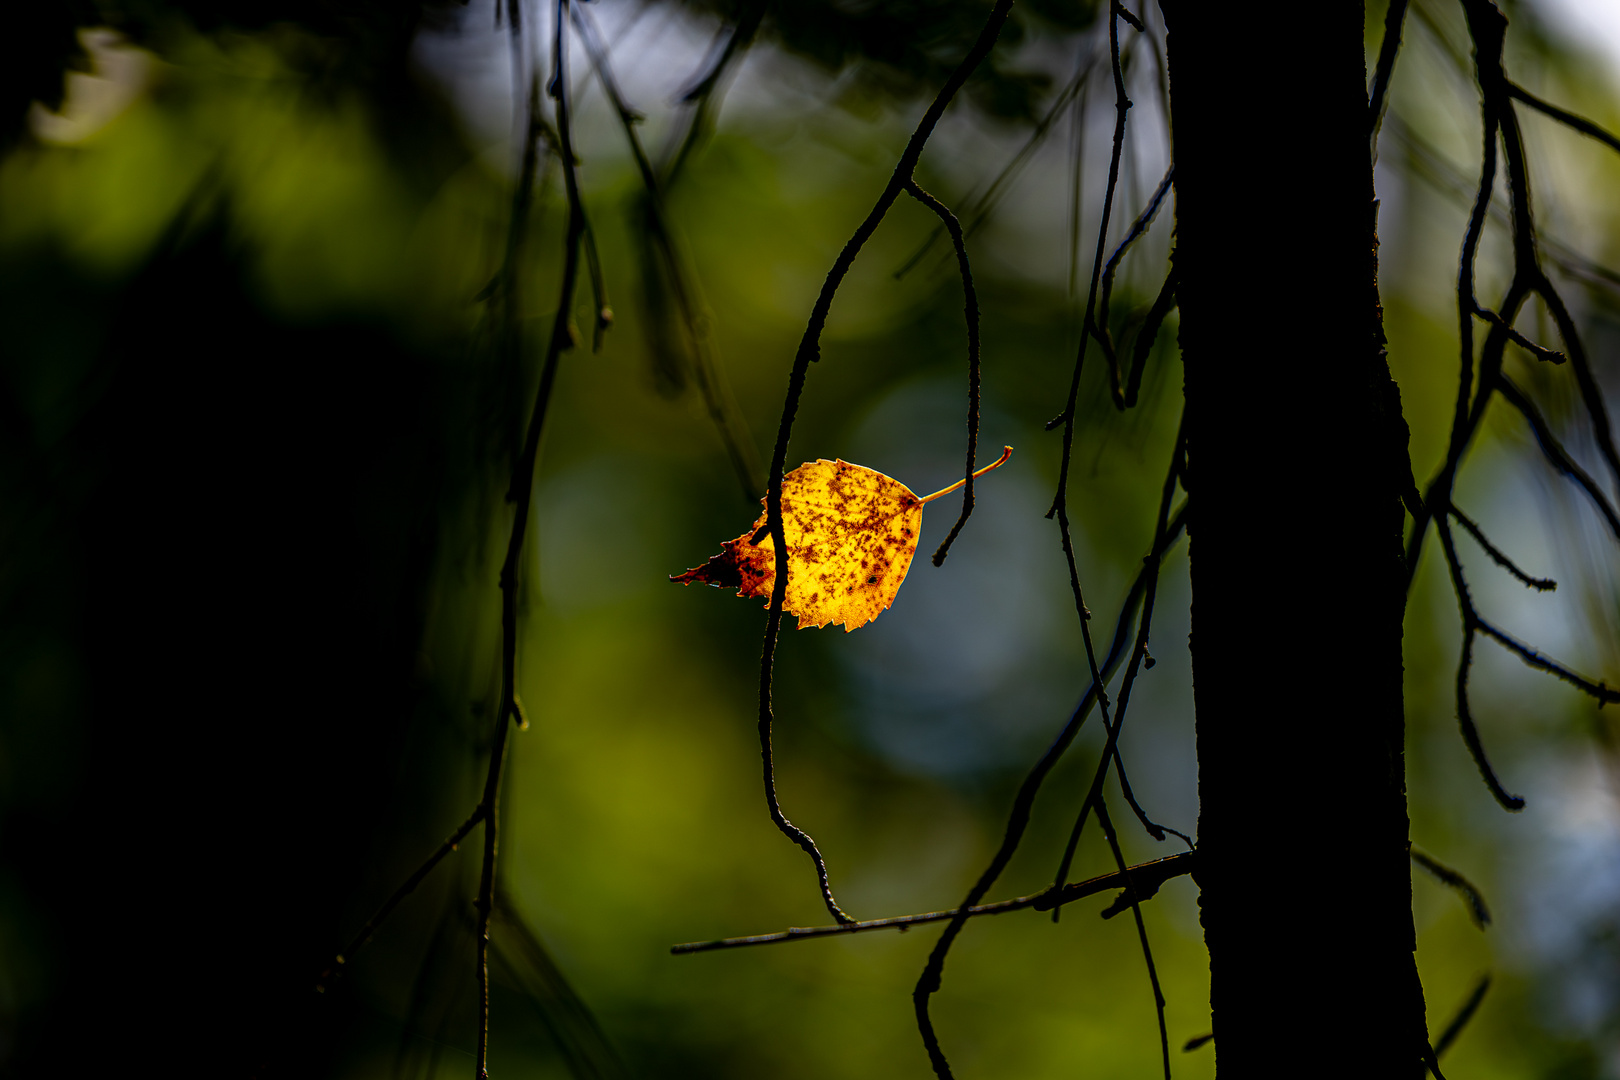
x=1297 y=465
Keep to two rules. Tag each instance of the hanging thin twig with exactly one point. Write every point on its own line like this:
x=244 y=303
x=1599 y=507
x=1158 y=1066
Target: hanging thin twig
x=521 y=495
x=970 y=302
x=808 y=352
x=1134 y=898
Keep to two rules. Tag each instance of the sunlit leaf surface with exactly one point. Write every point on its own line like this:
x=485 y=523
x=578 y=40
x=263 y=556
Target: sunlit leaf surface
x=851 y=534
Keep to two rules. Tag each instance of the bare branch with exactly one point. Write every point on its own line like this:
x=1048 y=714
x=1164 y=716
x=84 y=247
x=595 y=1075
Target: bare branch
x=1579 y=123
x=808 y=352
x=1478 y=913
x=1464 y=1014
x=1388 y=49
x=408 y=886
x=971 y=303
x=1142 y=877
x=1554 y=451
x=1542 y=584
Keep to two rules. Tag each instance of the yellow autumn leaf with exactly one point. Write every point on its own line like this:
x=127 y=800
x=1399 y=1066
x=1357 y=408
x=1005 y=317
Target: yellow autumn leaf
x=851 y=533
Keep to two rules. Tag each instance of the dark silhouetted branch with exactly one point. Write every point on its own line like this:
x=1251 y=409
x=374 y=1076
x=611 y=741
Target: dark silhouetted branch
x=808 y=352
x=1606 y=695
x=1464 y=1014
x=1569 y=119
x=1105 y=340
x=1543 y=584
x=1144 y=628
x=1148 y=333
x=979 y=211
x=970 y=302
x=1465 y=716
x=521 y=494
x=1554 y=451
x=1478 y=913
x=1551 y=356
x=408 y=886
x=1388 y=50
x=1132 y=897
x=1145 y=877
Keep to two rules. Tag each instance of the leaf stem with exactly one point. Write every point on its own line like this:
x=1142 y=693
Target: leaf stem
x=1006 y=452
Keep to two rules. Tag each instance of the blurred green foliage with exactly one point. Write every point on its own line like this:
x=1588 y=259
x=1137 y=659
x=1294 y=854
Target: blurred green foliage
x=246 y=674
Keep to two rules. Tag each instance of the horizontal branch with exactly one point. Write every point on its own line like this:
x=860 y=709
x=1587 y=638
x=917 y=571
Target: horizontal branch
x=1144 y=878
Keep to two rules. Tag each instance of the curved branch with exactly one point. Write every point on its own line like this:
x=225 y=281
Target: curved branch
x=808 y=352
x=970 y=301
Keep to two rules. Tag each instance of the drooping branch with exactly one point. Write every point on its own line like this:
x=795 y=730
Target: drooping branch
x=970 y=302
x=1110 y=754
x=1465 y=661
x=521 y=495
x=808 y=352
x=1133 y=897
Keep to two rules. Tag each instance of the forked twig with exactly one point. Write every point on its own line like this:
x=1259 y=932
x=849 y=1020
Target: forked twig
x=808 y=352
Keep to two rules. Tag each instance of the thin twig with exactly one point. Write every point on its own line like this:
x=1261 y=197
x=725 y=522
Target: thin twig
x=1099 y=326
x=1148 y=333
x=1605 y=694
x=1579 y=123
x=1143 y=876
x=1464 y=1014
x=712 y=383
x=1540 y=352
x=809 y=351
x=1541 y=584
x=930 y=980
x=1478 y=913
x=1144 y=629
x=1023 y=803
x=703 y=95
x=1554 y=451
x=1465 y=716
x=1388 y=49
x=521 y=495
x=408 y=886
x=979 y=211
x=1134 y=897
x=970 y=302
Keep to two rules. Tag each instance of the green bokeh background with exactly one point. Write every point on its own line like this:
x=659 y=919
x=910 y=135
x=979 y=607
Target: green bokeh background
x=633 y=814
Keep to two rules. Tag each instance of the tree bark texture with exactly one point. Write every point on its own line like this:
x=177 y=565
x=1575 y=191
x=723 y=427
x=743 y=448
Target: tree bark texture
x=1297 y=465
